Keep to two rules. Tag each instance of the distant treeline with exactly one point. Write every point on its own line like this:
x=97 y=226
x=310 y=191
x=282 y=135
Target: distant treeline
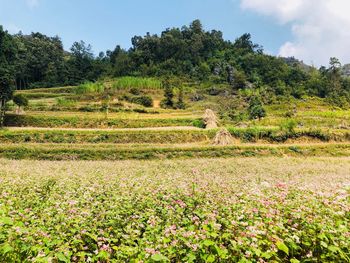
x=190 y=52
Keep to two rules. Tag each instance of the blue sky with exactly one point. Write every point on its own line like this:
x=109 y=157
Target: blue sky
x=106 y=23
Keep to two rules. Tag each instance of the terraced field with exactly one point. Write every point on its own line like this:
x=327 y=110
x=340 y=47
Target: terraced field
x=148 y=184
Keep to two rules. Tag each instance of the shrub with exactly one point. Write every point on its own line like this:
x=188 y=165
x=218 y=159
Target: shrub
x=256 y=109
x=180 y=104
x=63 y=102
x=135 y=91
x=144 y=100
x=213 y=91
x=167 y=102
x=289 y=125
x=196 y=97
x=90 y=87
x=20 y=100
x=199 y=123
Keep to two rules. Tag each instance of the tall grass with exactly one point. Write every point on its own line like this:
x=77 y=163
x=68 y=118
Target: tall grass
x=136 y=82
x=90 y=87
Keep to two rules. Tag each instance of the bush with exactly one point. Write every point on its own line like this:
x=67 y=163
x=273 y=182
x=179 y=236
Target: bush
x=144 y=100
x=62 y=102
x=135 y=91
x=199 y=123
x=90 y=87
x=213 y=91
x=289 y=125
x=256 y=109
x=20 y=100
x=196 y=97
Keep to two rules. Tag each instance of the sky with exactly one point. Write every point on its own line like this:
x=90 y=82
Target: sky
x=311 y=30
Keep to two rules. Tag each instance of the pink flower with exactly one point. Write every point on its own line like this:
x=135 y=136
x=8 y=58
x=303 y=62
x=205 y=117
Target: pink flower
x=151 y=251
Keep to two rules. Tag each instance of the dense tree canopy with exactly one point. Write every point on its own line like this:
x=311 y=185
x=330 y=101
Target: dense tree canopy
x=7 y=69
x=190 y=52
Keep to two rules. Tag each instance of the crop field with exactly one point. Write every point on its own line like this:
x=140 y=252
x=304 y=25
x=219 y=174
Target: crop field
x=199 y=210
x=146 y=184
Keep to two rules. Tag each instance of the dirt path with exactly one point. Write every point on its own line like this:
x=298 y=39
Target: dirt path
x=156 y=104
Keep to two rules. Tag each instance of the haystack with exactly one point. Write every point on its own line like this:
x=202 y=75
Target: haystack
x=210 y=119
x=223 y=138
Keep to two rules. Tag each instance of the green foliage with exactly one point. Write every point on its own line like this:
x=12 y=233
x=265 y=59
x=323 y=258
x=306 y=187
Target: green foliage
x=143 y=100
x=136 y=83
x=90 y=87
x=199 y=123
x=20 y=100
x=289 y=125
x=65 y=103
x=166 y=219
x=167 y=102
x=91 y=122
x=7 y=70
x=256 y=109
x=120 y=137
x=189 y=53
x=143 y=152
x=180 y=104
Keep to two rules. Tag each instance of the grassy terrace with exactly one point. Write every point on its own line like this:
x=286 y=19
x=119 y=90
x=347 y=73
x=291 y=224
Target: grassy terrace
x=97 y=120
x=154 y=151
x=165 y=135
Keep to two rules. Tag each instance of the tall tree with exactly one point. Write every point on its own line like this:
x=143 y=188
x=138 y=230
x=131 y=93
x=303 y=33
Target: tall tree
x=81 y=63
x=7 y=71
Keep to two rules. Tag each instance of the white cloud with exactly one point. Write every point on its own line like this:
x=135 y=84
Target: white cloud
x=32 y=3
x=320 y=28
x=12 y=28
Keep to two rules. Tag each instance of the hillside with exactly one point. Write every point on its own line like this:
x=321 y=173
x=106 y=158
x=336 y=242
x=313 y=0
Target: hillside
x=82 y=122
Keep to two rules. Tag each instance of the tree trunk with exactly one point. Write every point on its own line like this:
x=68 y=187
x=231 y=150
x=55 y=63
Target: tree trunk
x=2 y=112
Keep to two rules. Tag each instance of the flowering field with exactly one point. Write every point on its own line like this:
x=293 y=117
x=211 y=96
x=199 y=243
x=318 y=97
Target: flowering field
x=198 y=210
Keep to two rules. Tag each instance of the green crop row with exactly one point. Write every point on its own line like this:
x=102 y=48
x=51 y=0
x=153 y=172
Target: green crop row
x=68 y=89
x=162 y=136
x=278 y=136
x=12 y=120
x=136 y=82
x=137 y=136
x=111 y=152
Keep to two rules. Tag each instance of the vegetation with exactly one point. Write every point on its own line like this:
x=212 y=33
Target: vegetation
x=189 y=53
x=7 y=54
x=152 y=102
x=163 y=211
x=57 y=121
x=20 y=100
x=134 y=82
x=256 y=109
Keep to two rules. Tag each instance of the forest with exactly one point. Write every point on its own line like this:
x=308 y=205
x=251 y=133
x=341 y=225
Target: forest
x=189 y=53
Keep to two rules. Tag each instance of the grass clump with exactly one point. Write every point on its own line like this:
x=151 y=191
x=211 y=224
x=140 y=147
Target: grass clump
x=90 y=87
x=136 y=83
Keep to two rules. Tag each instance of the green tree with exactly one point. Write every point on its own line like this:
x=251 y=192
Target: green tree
x=7 y=71
x=20 y=100
x=256 y=109
x=167 y=102
x=334 y=75
x=81 y=63
x=180 y=101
